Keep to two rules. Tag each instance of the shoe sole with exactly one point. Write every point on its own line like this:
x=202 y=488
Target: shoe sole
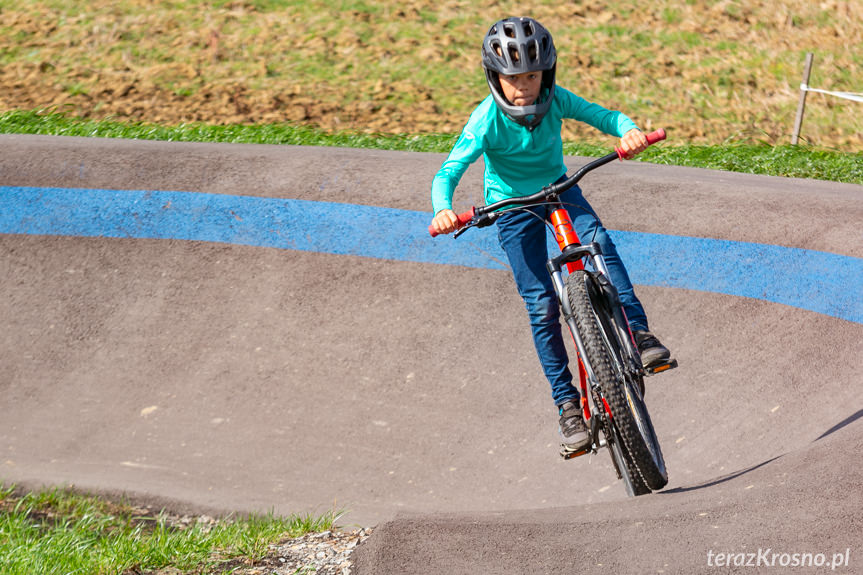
x=655 y=359
x=574 y=447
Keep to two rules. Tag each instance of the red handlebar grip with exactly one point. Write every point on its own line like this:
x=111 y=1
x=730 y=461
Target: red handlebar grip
x=652 y=138
x=655 y=136
x=463 y=218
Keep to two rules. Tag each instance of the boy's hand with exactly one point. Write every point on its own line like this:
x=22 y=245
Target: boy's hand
x=633 y=143
x=445 y=222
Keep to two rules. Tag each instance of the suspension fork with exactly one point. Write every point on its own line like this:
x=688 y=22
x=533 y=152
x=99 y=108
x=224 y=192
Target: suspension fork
x=567 y=238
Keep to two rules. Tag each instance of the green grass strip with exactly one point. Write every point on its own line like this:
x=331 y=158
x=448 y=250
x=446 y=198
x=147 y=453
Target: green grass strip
x=61 y=532
x=785 y=160
x=57 y=124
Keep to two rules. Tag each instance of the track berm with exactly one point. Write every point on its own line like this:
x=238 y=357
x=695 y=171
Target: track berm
x=223 y=377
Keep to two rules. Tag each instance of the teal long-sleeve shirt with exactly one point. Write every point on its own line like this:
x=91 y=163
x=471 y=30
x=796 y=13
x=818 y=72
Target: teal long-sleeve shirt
x=518 y=161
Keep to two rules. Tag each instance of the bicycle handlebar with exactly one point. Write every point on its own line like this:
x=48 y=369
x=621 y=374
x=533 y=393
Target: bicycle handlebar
x=475 y=215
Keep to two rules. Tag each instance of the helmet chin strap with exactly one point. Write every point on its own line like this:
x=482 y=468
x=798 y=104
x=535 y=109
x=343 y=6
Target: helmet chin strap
x=529 y=121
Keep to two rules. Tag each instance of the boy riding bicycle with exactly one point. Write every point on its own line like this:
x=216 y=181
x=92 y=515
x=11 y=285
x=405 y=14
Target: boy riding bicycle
x=517 y=130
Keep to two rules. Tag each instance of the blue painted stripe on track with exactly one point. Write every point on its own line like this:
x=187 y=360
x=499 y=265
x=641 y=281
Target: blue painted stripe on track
x=822 y=282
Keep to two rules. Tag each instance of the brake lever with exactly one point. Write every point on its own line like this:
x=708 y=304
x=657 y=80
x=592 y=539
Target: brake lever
x=475 y=222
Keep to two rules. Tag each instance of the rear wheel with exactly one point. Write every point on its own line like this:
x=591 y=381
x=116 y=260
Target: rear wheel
x=620 y=388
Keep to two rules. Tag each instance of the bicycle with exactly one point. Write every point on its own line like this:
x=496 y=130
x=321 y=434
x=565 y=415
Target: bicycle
x=609 y=364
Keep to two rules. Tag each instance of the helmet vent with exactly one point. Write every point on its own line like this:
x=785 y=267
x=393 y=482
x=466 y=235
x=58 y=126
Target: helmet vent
x=533 y=52
x=513 y=52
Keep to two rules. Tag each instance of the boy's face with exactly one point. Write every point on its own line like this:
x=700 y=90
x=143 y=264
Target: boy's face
x=521 y=89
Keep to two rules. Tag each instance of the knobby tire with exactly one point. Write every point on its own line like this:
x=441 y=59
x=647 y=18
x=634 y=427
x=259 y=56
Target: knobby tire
x=606 y=362
x=631 y=476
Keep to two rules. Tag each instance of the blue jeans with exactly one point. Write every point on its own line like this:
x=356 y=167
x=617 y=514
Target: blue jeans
x=522 y=236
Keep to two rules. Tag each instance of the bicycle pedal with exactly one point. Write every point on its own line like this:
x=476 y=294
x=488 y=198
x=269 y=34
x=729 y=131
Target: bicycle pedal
x=567 y=454
x=660 y=367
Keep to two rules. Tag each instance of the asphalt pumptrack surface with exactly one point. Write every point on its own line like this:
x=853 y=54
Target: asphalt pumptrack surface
x=234 y=328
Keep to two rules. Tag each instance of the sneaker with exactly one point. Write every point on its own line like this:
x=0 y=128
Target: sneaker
x=573 y=430
x=651 y=351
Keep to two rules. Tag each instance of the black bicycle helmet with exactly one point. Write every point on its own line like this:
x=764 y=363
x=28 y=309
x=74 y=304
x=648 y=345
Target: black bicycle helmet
x=516 y=46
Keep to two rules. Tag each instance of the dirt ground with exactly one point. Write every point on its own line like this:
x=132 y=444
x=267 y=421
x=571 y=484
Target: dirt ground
x=714 y=71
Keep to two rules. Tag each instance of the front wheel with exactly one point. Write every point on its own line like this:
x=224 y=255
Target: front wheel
x=631 y=476
x=629 y=416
